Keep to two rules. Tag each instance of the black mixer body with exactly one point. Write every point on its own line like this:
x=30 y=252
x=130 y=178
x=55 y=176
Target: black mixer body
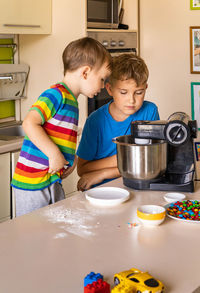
x=179 y=132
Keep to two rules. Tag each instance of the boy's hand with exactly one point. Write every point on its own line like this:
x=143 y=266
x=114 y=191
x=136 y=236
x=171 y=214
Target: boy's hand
x=67 y=171
x=56 y=163
x=89 y=179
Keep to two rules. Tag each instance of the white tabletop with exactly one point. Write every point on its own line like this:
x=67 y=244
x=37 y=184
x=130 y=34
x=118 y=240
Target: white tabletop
x=52 y=249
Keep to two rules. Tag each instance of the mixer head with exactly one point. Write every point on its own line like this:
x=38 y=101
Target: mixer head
x=177 y=130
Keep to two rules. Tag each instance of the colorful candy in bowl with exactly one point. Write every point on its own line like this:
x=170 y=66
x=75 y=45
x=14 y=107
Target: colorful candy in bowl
x=186 y=210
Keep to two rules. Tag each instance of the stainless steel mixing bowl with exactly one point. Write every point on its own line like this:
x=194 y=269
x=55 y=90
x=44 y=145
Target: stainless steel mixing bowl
x=141 y=162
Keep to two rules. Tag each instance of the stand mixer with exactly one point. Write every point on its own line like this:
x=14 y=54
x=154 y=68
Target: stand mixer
x=159 y=155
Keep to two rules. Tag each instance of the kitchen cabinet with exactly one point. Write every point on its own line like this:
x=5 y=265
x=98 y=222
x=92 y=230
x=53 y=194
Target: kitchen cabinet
x=69 y=184
x=5 y=187
x=8 y=162
x=14 y=159
x=25 y=16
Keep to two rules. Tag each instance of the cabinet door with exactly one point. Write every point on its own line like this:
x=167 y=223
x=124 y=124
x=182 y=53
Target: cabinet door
x=69 y=184
x=4 y=186
x=25 y=16
x=14 y=159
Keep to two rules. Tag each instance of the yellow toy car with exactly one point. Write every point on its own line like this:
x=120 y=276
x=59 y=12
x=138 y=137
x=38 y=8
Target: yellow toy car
x=140 y=282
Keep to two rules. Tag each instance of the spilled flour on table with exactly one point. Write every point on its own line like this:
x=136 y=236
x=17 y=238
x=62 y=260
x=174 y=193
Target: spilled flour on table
x=60 y=235
x=73 y=221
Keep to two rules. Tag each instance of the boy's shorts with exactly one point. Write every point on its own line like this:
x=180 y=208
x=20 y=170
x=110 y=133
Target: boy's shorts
x=27 y=201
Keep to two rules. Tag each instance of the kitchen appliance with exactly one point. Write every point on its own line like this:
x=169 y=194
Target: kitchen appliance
x=116 y=43
x=102 y=14
x=159 y=155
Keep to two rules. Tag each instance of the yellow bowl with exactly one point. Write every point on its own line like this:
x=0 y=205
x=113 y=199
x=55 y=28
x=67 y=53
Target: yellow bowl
x=151 y=214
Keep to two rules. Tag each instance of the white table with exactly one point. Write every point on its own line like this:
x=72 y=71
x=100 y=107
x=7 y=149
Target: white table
x=52 y=249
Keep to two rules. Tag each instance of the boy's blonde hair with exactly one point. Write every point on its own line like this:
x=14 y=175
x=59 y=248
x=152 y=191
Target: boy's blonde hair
x=85 y=51
x=129 y=66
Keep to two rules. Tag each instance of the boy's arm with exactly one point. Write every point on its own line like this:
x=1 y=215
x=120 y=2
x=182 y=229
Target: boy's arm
x=95 y=177
x=94 y=172
x=84 y=166
x=69 y=170
x=32 y=126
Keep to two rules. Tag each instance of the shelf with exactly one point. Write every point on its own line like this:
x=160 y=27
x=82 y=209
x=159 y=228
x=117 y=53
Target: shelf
x=12 y=98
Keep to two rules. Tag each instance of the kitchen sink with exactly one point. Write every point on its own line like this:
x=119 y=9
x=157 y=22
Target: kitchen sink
x=11 y=131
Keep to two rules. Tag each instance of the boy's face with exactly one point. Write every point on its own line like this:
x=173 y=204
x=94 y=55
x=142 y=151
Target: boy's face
x=128 y=98
x=94 y=80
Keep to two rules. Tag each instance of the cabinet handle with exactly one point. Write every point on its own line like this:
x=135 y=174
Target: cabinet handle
x=10 y=77
x=21 y=25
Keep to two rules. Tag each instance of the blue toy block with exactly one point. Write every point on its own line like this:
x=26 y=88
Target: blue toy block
x=92 y=277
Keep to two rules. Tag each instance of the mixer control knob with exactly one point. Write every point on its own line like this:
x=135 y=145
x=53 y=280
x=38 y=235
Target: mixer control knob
x=105 y=43
x=121 y=43
x=113 y=43
x=176 y=133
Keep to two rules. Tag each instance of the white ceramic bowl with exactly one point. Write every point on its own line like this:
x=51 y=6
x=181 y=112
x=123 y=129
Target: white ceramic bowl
x=151 y=215
x=107 y=196
x=174 y=196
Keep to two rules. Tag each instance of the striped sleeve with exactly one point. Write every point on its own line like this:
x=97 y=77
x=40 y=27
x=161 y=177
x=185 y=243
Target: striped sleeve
x=48 y=104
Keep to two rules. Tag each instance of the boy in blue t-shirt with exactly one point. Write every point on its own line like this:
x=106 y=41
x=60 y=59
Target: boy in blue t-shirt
x=97 y=160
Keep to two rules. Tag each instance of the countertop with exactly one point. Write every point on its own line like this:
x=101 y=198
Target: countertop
x=52 y=249
x=11 y=144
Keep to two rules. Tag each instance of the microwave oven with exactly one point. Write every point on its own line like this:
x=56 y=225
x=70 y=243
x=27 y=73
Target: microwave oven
x=102 y=14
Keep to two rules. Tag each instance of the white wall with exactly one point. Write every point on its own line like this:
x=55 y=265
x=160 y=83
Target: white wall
x=44 y=52
x=130 y=14
x=165 y=46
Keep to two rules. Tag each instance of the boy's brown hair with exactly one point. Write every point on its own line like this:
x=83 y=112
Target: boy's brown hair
x=85 y=51
x=129 y=66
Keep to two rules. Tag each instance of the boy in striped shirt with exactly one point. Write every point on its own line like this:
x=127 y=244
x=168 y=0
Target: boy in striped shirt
x=48 y=151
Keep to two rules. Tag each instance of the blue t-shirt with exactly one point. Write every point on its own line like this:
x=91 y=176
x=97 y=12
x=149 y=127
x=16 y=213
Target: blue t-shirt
x=100 y=128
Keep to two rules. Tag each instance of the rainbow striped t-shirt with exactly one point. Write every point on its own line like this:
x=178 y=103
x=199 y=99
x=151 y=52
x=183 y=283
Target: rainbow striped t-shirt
x=58 y=108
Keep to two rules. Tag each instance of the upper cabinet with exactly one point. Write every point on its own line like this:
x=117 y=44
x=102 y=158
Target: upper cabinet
x=25 y=16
